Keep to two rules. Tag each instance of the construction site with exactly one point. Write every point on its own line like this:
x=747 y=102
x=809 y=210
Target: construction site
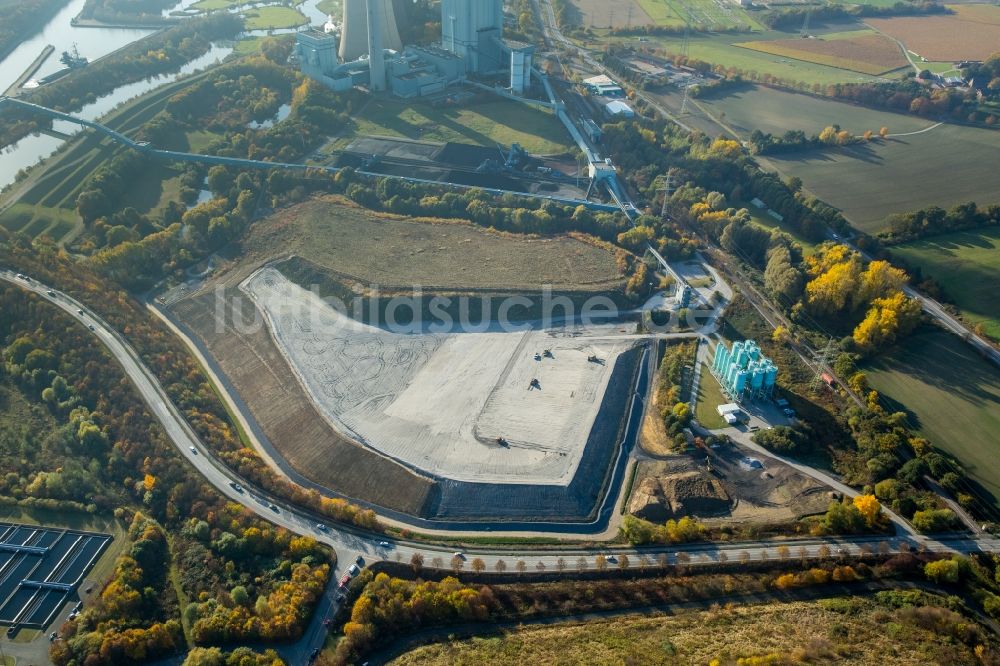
x=492 y=423
x=735 y=488
x=484 y=407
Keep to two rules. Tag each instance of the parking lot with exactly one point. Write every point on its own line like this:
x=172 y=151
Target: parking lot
x=40 y=569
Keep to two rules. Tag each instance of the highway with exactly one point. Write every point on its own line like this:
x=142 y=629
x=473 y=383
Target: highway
x=350 y=543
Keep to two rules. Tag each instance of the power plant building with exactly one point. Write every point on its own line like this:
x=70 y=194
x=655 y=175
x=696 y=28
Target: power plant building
x=743 y=371
x=371 y=54
x=471 y=29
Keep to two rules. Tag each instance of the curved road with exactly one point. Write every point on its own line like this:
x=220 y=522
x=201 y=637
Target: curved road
x=350 y=543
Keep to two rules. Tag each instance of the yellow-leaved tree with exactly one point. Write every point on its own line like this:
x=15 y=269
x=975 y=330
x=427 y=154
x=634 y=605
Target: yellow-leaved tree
x=887 y=319
x=870 y=508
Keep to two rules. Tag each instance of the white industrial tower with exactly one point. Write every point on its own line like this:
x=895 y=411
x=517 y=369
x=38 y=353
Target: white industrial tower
x=355 y=36
x=467 y=26
x=376 y=56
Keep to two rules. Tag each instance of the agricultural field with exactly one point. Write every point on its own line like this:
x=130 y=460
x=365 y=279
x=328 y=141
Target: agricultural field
x=601 y=14
x=967 y=264
x=940 y=167
x=944 y=38
x=952 y=397
x=492 y=122
x=724 y=49
x=977 y=13
x=846 y=630
x=776 y=111
x=702 y=14
x=862 y=51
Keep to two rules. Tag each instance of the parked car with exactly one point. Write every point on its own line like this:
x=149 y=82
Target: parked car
x=353 y=570
x=344 y=580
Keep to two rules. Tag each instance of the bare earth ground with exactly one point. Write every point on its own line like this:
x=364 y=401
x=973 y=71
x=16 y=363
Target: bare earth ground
x=438 y=402
x=942 y=38
x=869 y=54
x=732 y=493
x=273 y=395
x=357 y=244
x=653 y=437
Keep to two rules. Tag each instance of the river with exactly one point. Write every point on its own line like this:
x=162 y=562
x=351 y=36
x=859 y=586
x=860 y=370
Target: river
x=93 y=43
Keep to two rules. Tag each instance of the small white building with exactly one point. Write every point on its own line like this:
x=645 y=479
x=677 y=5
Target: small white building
x=730 y=412
x=618 y=109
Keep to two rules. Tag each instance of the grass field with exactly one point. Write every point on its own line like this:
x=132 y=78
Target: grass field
x=859 y=50
x=486 y=124
x=764 y=220
x=710 y=396
x=390 y=251
x=952 y=397
x=967 y=264
x=50 y=201
x=939 y=38
x=942 y=167
x=847 y=630
x=274 y=18
x=777 y=111
x=330 y=7
x=722 y=49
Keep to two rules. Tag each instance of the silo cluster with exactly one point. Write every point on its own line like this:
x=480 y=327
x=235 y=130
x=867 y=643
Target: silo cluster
x=743 y=371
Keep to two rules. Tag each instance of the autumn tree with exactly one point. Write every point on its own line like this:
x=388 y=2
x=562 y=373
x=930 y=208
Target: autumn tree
x=870 y=509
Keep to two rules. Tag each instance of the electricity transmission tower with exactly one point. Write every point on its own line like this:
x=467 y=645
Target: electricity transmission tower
x=665 y=185
x=685 y=48
x=823 y=362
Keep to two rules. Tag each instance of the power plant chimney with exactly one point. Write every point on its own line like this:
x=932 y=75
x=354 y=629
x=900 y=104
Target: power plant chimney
x=376 y=56
x=354 y=31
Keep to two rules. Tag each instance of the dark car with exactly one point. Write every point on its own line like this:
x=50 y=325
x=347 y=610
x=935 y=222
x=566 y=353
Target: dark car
x=313 y=655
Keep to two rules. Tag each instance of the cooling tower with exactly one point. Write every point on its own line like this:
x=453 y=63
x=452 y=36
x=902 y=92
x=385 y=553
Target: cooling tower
x=354 y=34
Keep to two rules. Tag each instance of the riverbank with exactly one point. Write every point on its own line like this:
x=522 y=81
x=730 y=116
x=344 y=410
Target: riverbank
x=32 y=68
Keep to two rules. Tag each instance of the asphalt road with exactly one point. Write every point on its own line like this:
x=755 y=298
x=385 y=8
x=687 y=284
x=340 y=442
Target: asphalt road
x=351 y=544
